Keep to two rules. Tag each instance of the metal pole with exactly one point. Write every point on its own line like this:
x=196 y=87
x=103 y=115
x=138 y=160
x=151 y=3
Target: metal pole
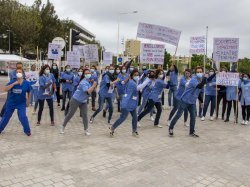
x=70 y=39
x=118 y=38
x=9 y=41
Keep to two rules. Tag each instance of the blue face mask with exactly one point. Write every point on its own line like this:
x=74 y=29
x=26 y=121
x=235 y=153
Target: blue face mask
x=136 y=78
x=199 y=75
x=112 y=71
x=87 y=76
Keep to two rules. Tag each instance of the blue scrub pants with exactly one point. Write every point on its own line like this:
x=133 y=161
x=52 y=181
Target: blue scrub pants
x=191 y=109
x=123 y=117
x=100 y=107
x=21 y=112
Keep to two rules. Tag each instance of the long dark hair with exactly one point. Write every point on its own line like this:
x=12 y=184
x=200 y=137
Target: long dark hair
x=133 y=72
x=43 y=69
x=83 y=76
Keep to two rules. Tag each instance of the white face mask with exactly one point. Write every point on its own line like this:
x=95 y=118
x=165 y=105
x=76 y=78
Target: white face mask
x=211 y=73
x=47 y=71
x=54 y=67
x=80 y=73
x=123 y=71
x=88 y=76
x=117 y=71
x=161 y=76
x=19 y=75
x=136 y=78
x=68 y=70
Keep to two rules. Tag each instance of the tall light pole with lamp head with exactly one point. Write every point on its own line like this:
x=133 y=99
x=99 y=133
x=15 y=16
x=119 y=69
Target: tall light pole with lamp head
x=118 y=33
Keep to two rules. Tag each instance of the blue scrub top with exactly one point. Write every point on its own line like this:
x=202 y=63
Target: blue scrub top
x=191 y=92
x=181 y=89
x=121 y=87
x=130 y=99
x=17 y=94
x=81 y=94
x=67 y=86
x=157 y=89
x=43 y=81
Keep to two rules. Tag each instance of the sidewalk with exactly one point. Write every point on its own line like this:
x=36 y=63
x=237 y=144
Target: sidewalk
x=220 y=157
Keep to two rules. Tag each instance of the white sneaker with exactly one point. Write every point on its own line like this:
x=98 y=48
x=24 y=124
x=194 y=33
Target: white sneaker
x=91 y=120
x=186 y=125
x=138 y=124
x=212 y=118
x=152 y=118
x=202 y=118
x=168 y=107
x=168 y=123
x=62 y=129
x=246 y=122
x=159 y=126
x=164 y=107
x=243 y=122
x=87 y=133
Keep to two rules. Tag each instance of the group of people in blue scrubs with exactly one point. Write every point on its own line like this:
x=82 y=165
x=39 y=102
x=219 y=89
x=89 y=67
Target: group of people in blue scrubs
x=137 y=92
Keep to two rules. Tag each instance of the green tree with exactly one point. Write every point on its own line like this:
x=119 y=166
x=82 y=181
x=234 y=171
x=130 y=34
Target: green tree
x=167 y=60
x=244 y=65
x=198 y=60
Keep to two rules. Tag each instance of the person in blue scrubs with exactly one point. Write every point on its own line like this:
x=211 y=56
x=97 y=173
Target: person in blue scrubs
x=94 y=78
x=155 y=98
x=129 y=104
x=12 y=76
x=177 y=98
x=245 y=98
x=106 y=92
x=47 y=87
x=80 y=100
x=210 y=95
x=231 y=95
x=172 y=76
x=77 y=78
x=188 y=100
x=121 y=84
x=146 y=91
x=18 y=99
x=55 y=71
x=67 y=78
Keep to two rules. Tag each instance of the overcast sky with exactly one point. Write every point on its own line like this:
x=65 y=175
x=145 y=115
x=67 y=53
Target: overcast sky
x=225 y=18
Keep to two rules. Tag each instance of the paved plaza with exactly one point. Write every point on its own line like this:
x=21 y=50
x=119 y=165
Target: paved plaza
x=220 y=157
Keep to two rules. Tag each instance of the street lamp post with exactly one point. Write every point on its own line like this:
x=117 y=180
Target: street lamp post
x=118 y=33
x=9 y=39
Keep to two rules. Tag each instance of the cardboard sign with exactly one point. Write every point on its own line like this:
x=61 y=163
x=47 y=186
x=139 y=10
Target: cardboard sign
x=91 y=53
x=152 y=53
x=73 y=59
x=158 y=33
x=227 y=79
x=54 y=51
x=226 y=49
x=197 y=45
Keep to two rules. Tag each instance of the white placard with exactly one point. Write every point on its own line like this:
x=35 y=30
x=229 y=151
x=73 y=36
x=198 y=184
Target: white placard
x=227 y=79
x=226 y=49
x=54 y=51
x=107 y=58
x=91 y=53
x=73 y=59
x=152 y=53
x=197 y=45
x=79 y=49
x=158 y=33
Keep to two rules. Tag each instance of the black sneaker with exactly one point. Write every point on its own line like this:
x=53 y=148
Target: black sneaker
x=171 y=132
x=227 y=120
x=104 y=113
x=194 y=135
x=62 y=109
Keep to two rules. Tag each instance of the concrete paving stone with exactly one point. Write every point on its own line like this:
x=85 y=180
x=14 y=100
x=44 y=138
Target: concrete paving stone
x=220 y=157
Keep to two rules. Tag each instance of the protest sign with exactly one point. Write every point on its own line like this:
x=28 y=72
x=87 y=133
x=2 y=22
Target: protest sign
x=226 y=49
x=227 y=79
x=107 y=58
x=73 y=59
x=79 y=49
x=91 y=53
x=197 y=45
x=152 y=53
x=54 y=51
x=158 y=33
